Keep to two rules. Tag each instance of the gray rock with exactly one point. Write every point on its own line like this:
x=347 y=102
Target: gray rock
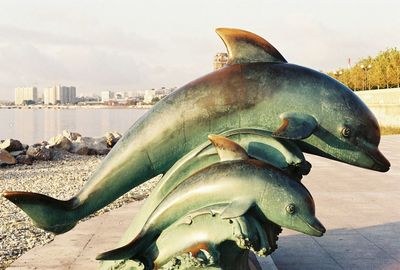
x=72 y=136
x=11 y=145
x=6 y=158
x=17 y=153
x=79 y=148
x=112 y=138
x=24 y=159
x=96 y=146
x=39 y=152
x=60 y=142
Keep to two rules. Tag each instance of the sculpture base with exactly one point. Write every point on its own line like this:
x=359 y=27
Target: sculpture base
x=253 y=263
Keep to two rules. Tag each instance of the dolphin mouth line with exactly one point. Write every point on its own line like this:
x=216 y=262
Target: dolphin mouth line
x=318 y=232
x=379 y=165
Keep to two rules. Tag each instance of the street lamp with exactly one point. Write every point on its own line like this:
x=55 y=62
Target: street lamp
x=366 y=68
x=337 y=73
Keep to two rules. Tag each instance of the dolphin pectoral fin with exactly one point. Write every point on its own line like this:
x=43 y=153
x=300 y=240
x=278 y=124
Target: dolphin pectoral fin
x=296 y=126
x=227 y=149
x=237 y=208
x=246 y=47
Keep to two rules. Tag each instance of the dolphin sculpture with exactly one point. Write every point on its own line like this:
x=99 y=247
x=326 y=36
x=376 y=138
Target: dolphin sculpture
x=255 y=143
x=256 y=89
x=281 y=154
x=209 y=243
x=260 y=187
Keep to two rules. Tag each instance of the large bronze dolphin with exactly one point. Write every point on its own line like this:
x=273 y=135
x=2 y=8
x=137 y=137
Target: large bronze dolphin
x=257 y=89
x=262 y=189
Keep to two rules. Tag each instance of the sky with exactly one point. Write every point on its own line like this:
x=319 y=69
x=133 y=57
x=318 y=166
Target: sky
x=127 y=45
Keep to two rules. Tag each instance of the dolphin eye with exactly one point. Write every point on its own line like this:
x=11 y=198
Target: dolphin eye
x=290 y=208
x=346 y=132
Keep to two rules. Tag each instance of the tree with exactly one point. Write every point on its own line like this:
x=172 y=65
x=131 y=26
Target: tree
x=28 y=102
x=384 y=72
x=155 y=100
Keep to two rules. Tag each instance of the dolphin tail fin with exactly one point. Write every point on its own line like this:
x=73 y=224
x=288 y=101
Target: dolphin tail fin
x=46 y=213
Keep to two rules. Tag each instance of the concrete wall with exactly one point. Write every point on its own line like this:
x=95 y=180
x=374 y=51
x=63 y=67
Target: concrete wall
x=385 y=104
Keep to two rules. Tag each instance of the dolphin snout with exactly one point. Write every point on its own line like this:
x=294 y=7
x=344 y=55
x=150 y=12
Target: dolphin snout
x=378 y=162
x=313 y=227
x=381 y=163
x=318 y=228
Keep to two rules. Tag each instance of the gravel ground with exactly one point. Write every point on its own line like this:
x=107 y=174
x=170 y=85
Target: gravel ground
x=60 y=178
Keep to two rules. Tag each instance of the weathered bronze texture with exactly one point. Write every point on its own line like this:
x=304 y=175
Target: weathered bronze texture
x=266 y=113
x=257 y=186
x=296 y=103
x=203 y=241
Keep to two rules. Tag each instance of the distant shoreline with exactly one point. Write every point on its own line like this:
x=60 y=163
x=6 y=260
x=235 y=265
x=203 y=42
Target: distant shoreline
x=37 y=107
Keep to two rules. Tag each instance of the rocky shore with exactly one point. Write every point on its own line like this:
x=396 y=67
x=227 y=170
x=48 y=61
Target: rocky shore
x=15 y=152
x=61 y=177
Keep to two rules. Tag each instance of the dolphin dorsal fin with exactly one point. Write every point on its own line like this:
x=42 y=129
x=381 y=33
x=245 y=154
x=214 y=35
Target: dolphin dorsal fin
x=246 y=47
x=227 y=149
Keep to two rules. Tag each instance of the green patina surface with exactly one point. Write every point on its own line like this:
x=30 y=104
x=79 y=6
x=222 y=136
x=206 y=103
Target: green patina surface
x=256 y=186
x=275 y=110
x=259 y=144
x=260 y=91
x=187 y=246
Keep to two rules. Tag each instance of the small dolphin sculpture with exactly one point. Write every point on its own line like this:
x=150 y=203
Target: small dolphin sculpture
x=255 y=143
x=268 y=192
x=257 y=89
x=209 y=245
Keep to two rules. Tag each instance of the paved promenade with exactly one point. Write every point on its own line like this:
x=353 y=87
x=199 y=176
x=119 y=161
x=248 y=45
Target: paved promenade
x=361 y=212
x=359 y=208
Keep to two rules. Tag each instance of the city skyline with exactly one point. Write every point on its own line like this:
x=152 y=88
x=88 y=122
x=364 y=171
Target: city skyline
x=91 y=93
x=134 y=46
x=61 y=94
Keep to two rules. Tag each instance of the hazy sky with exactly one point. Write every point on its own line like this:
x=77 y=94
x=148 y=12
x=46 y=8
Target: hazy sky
x=135 y=45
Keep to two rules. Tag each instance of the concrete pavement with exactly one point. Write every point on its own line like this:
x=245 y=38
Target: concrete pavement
x=359 y=208
x=361 y=212
x=77 y=249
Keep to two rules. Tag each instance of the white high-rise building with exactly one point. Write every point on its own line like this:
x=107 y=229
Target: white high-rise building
x=59 y=94
x=106 y=96
x=49 y=95
x=25 y=94
x=149 y=95
x=130 y=94
x=72 y=94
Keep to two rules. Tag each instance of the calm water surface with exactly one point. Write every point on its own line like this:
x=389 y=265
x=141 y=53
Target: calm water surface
x=35 y=125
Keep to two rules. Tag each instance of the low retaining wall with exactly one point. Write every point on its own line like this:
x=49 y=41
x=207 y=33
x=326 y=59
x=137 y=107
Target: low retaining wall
x=385 y=104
